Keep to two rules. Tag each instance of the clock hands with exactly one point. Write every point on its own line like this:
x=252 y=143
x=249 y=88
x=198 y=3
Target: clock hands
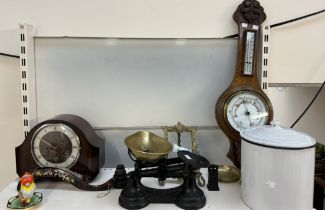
x=48 y=144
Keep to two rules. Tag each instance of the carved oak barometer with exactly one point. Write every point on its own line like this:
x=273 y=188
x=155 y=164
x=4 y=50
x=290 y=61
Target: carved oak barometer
x=244 y=104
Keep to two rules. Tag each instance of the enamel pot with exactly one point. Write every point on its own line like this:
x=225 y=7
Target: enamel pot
x=277 y=168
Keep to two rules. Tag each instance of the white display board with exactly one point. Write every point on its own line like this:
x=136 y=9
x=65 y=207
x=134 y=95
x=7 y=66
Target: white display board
x=135 y=83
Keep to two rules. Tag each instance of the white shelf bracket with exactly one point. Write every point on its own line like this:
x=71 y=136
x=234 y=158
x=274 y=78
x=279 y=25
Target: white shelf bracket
x=28 y=77
x=265 y=58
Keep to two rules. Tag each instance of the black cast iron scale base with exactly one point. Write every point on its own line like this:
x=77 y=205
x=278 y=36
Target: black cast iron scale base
x=186 y=196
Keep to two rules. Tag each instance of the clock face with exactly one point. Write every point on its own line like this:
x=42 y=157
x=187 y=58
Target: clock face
x=246 y=110
x=55 y=145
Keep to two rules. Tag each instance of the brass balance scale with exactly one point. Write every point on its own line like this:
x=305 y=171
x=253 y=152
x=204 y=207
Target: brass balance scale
x=149 y=152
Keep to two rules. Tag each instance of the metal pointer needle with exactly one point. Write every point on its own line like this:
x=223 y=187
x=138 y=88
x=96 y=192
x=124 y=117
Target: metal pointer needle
x=247 y=113
x=48 y=144
x=262 y=114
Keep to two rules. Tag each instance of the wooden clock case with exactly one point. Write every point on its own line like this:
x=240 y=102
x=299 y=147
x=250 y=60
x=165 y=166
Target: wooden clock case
x=249 y=17
x=91 y=157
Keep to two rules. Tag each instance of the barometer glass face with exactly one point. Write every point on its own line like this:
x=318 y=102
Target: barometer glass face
x=55 y=145
x=246 y=110
x=249 y=52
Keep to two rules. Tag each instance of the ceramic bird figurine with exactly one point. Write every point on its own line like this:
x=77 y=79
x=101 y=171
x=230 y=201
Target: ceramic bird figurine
x=27 y=189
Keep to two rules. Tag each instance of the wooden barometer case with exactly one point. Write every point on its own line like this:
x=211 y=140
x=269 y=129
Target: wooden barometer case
x=65 y=143
x=244 y=104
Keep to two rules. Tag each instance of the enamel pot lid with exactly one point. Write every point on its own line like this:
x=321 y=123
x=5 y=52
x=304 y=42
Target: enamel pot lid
x=275 y=136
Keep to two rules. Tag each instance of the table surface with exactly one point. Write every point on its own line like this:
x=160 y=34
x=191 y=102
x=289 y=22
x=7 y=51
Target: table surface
x=58 y=195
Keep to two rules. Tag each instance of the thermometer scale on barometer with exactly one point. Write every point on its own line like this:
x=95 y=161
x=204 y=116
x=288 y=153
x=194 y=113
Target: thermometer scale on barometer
x=244 y=104
x=249 y=53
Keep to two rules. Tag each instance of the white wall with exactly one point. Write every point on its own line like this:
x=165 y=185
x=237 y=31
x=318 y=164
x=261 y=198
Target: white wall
x=153 y=19
x=10 y=117
x=297 y=52
x=289 y=103
x=141 y=18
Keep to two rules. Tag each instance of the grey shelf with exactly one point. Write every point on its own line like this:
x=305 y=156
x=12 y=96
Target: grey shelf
x=295 y=84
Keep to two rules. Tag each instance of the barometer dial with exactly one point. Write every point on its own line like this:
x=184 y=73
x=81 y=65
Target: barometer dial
x=246 y=110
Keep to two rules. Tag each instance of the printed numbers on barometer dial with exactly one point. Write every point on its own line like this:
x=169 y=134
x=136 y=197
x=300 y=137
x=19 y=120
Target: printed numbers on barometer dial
x=246 y=110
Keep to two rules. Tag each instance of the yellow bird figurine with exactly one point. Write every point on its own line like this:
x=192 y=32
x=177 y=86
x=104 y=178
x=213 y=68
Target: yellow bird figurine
x=27 y=189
